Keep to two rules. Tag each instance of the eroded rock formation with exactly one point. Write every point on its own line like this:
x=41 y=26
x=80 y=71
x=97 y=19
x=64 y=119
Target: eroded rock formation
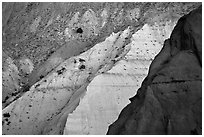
x=49 y=33
x=55 y=50
x=45 y=107
x=170 y=98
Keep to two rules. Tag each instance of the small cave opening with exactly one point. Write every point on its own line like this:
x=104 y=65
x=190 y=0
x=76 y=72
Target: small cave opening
x=79 y=30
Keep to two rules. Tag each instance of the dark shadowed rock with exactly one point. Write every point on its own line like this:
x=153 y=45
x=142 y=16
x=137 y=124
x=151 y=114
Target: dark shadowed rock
x=170 y=98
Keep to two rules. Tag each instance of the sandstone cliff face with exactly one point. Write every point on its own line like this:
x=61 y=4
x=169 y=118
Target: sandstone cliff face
x=170 y=98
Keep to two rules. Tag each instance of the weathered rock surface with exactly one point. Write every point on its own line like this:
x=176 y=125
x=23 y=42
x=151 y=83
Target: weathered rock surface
x=170 y=98
x=45 y=107
x=49 y=33
x=111 y=90
x=50 y=36
x=122 y=81
x=14 y=75
x=10 y=79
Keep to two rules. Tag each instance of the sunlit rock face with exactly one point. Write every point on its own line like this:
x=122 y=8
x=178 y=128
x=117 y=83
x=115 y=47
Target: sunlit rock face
x=169 y=100
x=44 y=108
x=56 y=49
x=111 y=90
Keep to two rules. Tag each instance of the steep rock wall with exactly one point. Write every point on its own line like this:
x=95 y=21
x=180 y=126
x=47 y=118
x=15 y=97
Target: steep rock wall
x=170 y=98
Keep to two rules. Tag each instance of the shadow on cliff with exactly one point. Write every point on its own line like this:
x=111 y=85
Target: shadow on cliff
x=170 y=98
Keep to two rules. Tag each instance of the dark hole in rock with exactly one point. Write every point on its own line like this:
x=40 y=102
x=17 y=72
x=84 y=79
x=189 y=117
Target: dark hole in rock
x=6 y=115
x=9 y=123
x=82 y=67
x=81 y=60
x=79 y=30
x=116 y=56
x=61 y=71
x=6 y=98
x=175 y=91
x=75 y=61
x=14 y=94
x=37 y=85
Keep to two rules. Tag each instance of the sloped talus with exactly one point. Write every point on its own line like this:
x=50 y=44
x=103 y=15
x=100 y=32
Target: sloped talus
x=170 y=98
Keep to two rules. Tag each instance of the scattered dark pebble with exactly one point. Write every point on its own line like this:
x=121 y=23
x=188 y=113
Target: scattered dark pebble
x=79 y=30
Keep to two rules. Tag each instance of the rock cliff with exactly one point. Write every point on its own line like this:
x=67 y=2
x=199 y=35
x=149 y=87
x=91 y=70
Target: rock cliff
x=52 y=51
x=170 y=98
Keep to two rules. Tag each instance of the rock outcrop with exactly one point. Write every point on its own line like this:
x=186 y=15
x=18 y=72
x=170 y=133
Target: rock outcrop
x=45 y=107
x=170 y=98
x=55 y=50
x=49 y=33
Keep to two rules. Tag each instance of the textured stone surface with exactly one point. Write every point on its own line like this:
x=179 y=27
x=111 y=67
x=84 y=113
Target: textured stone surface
x=10 y=79
x=46 y=33
x=49 y=36
x=170 y=98
x=111 y=90
x=45 y=107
